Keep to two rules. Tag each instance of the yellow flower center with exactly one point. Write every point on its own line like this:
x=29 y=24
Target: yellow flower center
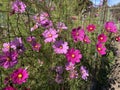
x=73 y=55
x=85 y=40
x=61 y=47
x=101 y=38
x=8 y=46
x=117 y=39
x=108 y=28
x=20 y=75
x=99 y=49
x=8 y=59
x=36 y=46
x=77 y=33
x=91 y=28
x=50 y=35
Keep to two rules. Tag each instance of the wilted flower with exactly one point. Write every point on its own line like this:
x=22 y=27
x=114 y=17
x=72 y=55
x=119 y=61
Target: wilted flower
x=18 y=6
x=102 y=38
x=17 y=45
x=101 y=49
x=91 y=27
x=77 y=34
x=59 y=69
x=69 y=66
x=59 y=79
x=19 y=76
x=61 y=26
x=111 y=27
x=73 y=55
x=73 y=74
x=50 y=35
x=60 y=47
x=84 y=72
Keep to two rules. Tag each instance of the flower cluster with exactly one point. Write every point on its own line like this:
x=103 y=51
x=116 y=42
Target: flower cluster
x=35 y=45
x=10 y=52
x=18 y=6
x=59 y=71
x=78 y=34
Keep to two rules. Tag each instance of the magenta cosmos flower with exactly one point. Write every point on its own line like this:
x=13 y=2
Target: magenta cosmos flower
x=77 y=34
x=36 y=46
x=19 y=76
x=102 y=38
x=60 y=47
x=91 y=27
x=111 y=27
x=8 y=59
x=50 y=35
x=73 y=55
x=9 y=88
x=101 y=49
x=86 y=39
x=84 y=72
x=18 y=6
x=117 y=38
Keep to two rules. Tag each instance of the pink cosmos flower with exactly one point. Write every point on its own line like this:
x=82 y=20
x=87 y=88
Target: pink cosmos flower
x=102 y=38
x=60 y=47
x=101 y=49
x=91 y=27
x=50 y=35
x=9 y=88
x=18 y=6
x=77 y=34
x=8 y=59
x=73 y=55
x=19 y=76
x=6 y=47
x=70 y=66
x=111 y=27
x=84 y=72
x=73 y=74
x=86 y=39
